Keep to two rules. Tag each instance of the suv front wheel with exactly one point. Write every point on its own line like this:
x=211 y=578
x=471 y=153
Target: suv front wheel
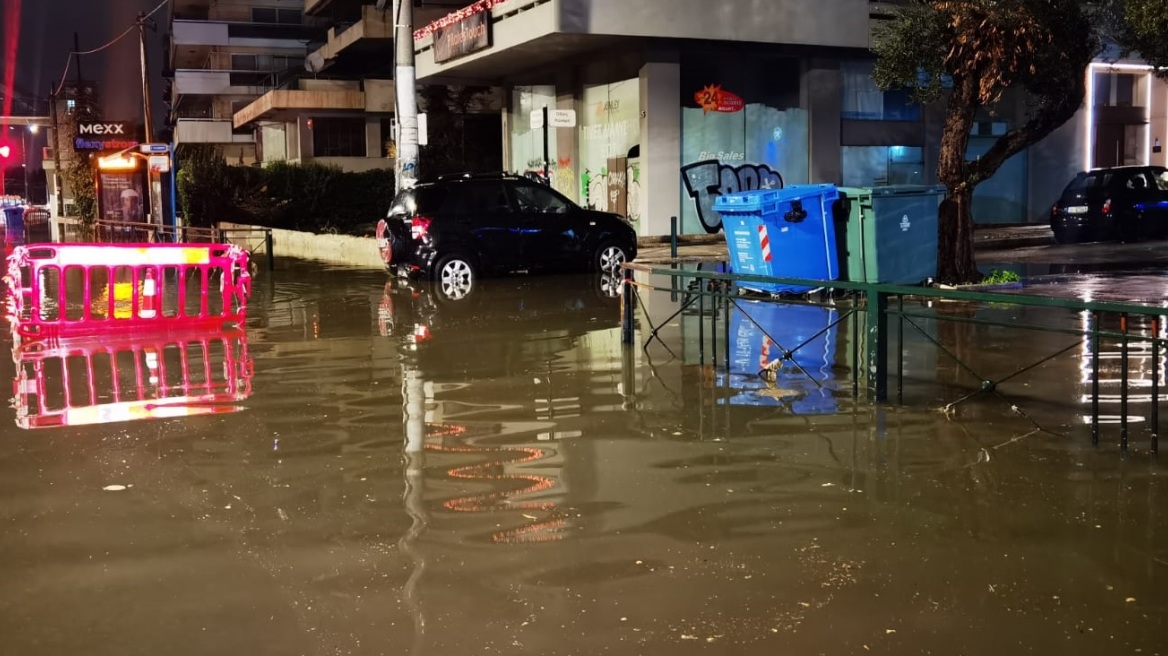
x=455 y=276
x=609 y=257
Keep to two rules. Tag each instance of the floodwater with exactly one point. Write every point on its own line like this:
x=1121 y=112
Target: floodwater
x=398 y=473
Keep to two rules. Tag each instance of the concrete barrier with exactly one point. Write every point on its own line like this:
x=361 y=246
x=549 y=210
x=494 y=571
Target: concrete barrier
x=334 y=249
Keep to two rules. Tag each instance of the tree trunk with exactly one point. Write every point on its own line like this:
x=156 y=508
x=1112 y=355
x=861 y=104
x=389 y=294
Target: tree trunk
x=955 y=262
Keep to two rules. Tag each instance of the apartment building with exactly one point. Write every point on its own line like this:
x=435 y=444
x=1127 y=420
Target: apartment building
x=224 y=54
x=339 y=109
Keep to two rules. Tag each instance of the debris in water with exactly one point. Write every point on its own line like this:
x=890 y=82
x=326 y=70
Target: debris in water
x=114 y=488
x=828 y=485
x=1130 y=600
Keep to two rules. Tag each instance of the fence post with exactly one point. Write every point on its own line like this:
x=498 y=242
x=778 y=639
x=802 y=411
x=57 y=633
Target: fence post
x=627 y=306
x=877 y=345
x=673 y=237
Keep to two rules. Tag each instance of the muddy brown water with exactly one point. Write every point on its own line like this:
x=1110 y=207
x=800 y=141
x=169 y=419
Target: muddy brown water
x=408 y=475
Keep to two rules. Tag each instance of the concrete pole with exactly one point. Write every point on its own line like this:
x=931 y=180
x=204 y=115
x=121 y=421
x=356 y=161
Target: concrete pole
x=148 y=119
x=405 y=98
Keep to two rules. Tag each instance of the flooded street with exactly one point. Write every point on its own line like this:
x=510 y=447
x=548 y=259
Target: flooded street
x=412 y=474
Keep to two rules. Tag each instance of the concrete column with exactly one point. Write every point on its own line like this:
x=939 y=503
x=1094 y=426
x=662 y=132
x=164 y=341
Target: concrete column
x=1159 y=122
x=660 y=145
x=505 y=126
x=823 y=94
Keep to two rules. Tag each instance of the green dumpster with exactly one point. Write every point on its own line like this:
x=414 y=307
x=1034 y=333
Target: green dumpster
x=887 y=234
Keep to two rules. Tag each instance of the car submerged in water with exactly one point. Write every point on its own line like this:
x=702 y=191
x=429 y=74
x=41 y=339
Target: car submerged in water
x=460 y=228
x=1126 y=203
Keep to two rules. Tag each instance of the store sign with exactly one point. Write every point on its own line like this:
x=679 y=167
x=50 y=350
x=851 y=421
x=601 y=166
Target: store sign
x=105 y=135
x=471 y=34
x=713 y=98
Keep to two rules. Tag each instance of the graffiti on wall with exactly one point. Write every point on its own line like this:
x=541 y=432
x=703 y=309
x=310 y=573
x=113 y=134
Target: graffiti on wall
x=614 y=188
x=562 y=176
x=706 y=180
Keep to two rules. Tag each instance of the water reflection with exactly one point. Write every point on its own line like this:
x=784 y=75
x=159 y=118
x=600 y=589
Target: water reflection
x=80 y=381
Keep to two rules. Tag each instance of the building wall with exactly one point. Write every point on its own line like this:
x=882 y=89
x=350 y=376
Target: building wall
x=841 y=23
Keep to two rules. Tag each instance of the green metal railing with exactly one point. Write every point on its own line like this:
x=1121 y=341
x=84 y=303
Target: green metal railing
x=870 y=307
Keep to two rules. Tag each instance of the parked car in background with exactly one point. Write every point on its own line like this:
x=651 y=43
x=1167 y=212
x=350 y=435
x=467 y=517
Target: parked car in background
x=460 y=228
x=1127 y=203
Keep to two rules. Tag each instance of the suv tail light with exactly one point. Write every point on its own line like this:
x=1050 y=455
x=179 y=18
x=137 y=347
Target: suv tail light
x=1054 y=210
x=1107 y=206
x=419 y=227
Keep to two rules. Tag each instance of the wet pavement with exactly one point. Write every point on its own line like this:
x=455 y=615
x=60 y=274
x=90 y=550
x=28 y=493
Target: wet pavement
x=413 y=474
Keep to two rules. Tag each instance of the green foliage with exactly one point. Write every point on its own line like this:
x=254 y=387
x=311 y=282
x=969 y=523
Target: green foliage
x=202 y=186
x=307 y=197
x=78 y=174
x=1001 y=277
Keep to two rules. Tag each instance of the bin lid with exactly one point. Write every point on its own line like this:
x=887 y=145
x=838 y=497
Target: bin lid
x=908 y=190
x=828 y=192
x=747 y=201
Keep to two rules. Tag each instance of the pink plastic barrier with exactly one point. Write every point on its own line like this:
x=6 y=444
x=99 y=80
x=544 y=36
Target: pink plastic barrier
x=83 y=381
x=64 y=290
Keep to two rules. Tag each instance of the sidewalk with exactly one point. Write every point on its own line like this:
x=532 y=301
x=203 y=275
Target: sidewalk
x=713 y=247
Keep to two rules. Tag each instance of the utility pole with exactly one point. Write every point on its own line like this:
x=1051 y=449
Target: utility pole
x=57 y=186
x=405 y=98
x=145 y=77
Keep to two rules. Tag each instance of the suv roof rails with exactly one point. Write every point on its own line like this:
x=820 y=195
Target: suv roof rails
x=469 y=175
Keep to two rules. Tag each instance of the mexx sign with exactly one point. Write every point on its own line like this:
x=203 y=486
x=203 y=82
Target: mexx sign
x=102 y=129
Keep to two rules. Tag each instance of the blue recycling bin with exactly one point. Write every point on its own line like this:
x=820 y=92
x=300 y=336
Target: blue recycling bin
x=781 y=233
x=790 y=326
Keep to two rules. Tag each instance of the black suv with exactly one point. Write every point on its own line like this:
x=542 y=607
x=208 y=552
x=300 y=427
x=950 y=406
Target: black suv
x=457 y=228
x=1125 y=202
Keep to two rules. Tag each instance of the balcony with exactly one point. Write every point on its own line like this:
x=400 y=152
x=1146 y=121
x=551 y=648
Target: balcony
x=370 y=35
x=199 y=82
x=208 y=131
x=192 y=41
x=319 y=95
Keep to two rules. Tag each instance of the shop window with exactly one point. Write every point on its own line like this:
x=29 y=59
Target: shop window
x=338 y=137
x=742 y=129
x=610 y=131
x=527 y=142
x=1119 y=89
x=863 y=100
x=868 y=166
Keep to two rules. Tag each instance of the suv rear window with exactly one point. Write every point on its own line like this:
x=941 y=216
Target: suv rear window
x=457 y=197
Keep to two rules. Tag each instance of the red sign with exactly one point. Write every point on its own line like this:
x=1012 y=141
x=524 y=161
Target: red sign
x=714 y=99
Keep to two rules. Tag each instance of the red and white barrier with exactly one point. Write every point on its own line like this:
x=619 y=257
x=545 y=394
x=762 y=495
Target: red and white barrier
x=64 y=290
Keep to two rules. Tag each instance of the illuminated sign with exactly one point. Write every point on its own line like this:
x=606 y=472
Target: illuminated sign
x=99 y=129
x=713 y=98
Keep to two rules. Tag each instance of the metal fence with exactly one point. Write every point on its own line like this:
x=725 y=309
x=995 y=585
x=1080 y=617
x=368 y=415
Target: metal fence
x=880 y=316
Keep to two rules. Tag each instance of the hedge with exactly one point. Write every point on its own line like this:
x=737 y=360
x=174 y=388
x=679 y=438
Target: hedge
x=308 y=197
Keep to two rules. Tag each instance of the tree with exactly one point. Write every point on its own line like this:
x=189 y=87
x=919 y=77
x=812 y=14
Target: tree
x=980 y=49
x=78 y=173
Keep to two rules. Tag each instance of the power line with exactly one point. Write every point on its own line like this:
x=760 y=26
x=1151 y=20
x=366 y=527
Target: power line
x=131 y=28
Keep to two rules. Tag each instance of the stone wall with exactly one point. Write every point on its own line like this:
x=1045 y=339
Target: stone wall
x=335 y=249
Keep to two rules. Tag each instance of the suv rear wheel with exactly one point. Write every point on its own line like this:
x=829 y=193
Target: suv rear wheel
x=455 y=276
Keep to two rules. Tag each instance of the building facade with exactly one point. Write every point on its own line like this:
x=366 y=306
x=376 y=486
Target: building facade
x=223 y=55
x=676 y=102
x=338 y=109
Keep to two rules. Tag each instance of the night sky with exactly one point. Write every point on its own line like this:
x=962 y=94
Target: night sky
x=46 y=39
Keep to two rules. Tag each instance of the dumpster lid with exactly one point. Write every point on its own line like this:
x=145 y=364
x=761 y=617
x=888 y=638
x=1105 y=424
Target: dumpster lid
x=908 y=190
